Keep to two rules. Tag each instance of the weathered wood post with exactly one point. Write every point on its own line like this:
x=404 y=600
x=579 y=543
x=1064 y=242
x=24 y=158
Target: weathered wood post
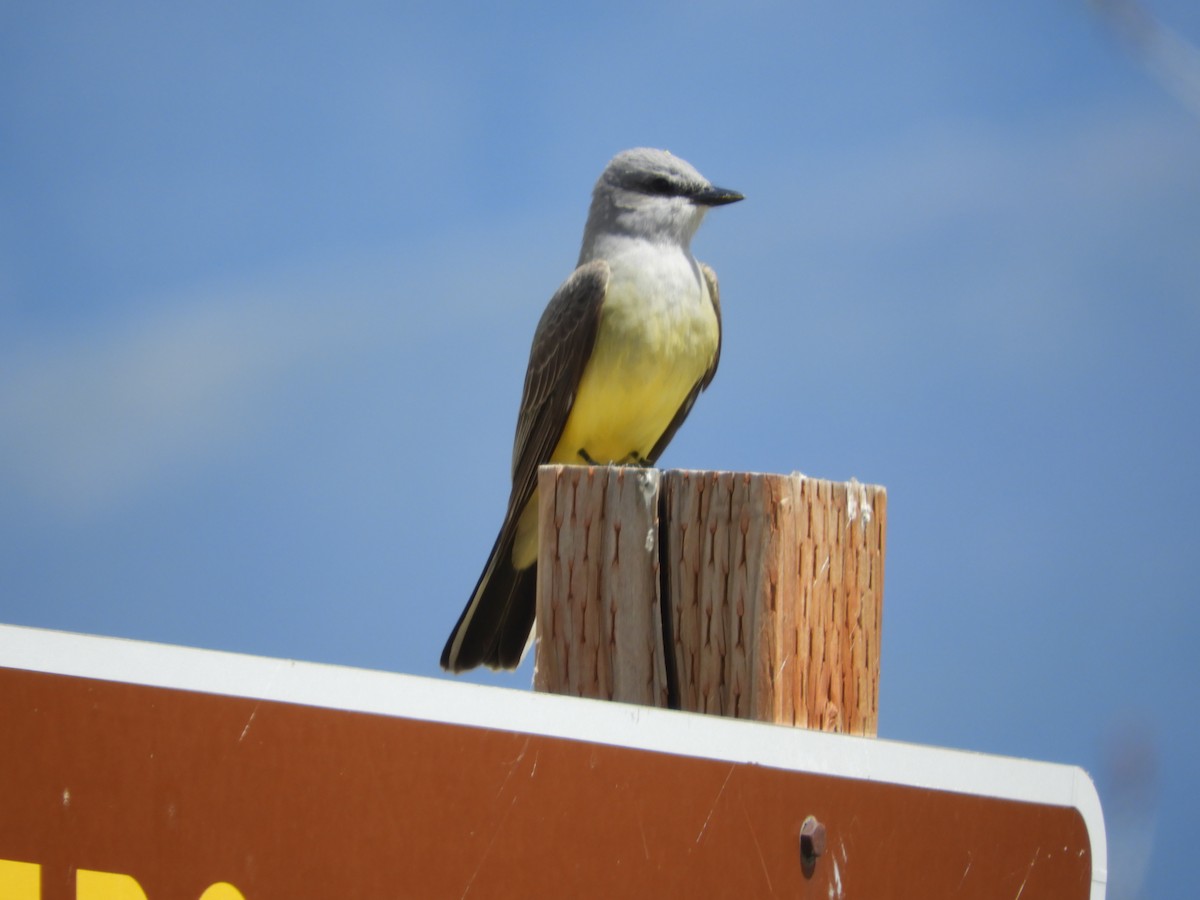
x=739 y=594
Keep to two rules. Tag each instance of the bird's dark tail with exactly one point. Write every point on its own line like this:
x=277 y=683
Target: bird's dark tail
x=494 y=627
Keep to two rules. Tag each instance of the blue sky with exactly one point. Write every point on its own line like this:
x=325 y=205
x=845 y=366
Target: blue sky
x=268 y=278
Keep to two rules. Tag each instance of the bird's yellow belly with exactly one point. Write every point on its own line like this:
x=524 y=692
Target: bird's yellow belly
x=619 y=415
x=641 y=370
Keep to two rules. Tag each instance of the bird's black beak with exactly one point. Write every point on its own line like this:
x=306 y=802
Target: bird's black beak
x=716 y=196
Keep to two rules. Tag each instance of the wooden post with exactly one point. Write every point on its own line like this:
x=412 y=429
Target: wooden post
x=773 y=587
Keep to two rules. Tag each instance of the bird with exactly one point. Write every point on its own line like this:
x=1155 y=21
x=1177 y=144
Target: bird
x=620 y=354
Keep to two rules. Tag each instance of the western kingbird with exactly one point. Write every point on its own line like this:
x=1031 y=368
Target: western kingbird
x=619 y=356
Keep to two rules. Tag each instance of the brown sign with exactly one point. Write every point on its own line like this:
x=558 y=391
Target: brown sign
x=120 y=791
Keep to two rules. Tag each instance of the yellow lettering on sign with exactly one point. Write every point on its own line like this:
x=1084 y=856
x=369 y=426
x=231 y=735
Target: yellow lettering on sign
x=20 y=880
x=23 y=881
x=222 y=890
x=91 y=885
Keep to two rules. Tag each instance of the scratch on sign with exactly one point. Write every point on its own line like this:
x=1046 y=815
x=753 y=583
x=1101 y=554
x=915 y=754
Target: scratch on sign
x=704 y=827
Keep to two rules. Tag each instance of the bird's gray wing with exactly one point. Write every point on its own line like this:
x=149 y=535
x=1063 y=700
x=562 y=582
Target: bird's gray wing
x=714 y=293
x=561 y=348
x=495 y=623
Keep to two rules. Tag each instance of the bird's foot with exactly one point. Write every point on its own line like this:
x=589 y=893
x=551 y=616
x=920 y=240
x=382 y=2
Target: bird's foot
x=633 y=458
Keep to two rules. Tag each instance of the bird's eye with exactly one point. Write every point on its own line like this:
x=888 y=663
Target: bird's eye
x=660 y=185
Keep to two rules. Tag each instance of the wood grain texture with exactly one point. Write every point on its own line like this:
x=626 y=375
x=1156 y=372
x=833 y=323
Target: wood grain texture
x=599 y=624
x=774 y=584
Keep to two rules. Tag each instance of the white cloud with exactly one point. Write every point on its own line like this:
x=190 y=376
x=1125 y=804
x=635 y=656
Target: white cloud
x=88 y=419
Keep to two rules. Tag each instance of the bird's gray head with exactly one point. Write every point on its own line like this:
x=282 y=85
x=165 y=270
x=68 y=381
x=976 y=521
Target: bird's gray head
x=651 y=194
